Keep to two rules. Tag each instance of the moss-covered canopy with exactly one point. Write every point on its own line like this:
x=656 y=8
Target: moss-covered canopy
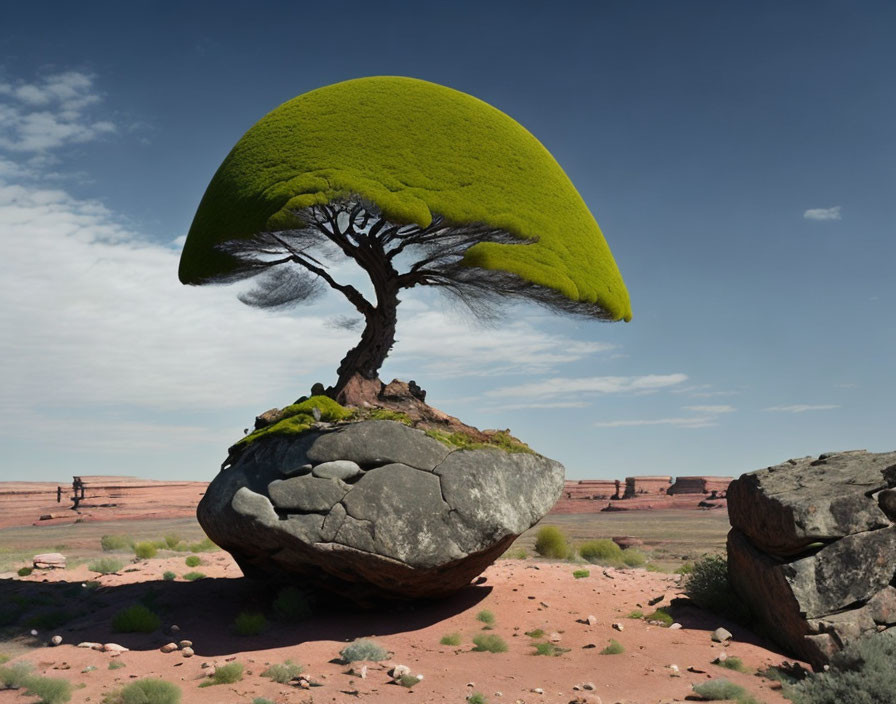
x=414 y=149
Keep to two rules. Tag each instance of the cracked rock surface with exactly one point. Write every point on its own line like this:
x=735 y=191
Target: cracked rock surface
x=812 y=549
x=375 y=508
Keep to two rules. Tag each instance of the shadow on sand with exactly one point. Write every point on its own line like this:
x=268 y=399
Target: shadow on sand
x=204 y=612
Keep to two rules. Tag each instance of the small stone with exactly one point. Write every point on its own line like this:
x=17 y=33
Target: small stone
x=723 y=656
x=205 y=665
x=187 y=652
x=169 y=648
x=537 y=690
x=721 y=635
x=398 y=671
x=471 y=684
x=360 y=672
x=673 y=670
x=555 y=637
x=184 y=644
x=49 y=560
x=591 y=619
x=114 y=648
x=56 y=640
x=90 y=644
x=174 y=628
x=675 y=626
x=618 y=627
x=588 y=685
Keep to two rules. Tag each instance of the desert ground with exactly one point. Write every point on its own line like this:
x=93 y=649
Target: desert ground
x=658 y=664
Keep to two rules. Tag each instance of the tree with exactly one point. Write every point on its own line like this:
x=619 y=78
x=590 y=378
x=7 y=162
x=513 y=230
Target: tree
x=420 y=185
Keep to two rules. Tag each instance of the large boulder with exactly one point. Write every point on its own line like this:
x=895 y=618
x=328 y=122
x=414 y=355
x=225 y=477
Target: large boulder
x=374 y=508
x=812 y=549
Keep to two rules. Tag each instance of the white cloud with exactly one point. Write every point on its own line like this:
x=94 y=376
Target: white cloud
x=801 y=408
x=823 y=213
x=49 y=113
x=710 y=409
x=560 y=386
x=684 y=422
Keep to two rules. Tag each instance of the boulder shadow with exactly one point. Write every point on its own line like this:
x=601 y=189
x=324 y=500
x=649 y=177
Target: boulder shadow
x=204 y=612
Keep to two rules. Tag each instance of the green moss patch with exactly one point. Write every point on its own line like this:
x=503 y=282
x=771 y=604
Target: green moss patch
x=497 y=441
x=297 y=418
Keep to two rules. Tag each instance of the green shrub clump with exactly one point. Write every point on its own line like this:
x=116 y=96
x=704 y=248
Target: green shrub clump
x=105 y=565
x=193 y=561
x=535 y=633
x=145 y=550
x=580 y=574
x=477 y=698
x=116 y=664
x=25 y=571
x=226 y=674
x=550 y=541
x=614 y=648
x=145 y=691
x=489 y=642
x=283 y=673
x=292 y=604
x=135 y=619
x=249 y=623
x=193 y=576
x=707 y=586
x=715 y=690
x=601 y=552
x=861 y=673
x=169 y=576
x=549 y=649
x=662 y=616
x=450 y=639
x=49 y=690
x=733 y=663
x=14 y=676
x=633 y=558
x=637 y=613
x=486 y=617
x=115 y=542
x=363 y=649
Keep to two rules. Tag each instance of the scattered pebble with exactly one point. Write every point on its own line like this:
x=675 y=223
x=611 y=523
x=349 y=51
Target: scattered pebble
x=675 y=626
x=537 y=690
x=185 y=644
x=187 y=652
x=169 y=648
x=673 y=670
x=114 y=648
x=56 y=640
x=90 y=644
x=618 y=627
x=721 y=635
x=591 y=619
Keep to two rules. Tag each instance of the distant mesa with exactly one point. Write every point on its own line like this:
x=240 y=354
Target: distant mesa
x=641 y=493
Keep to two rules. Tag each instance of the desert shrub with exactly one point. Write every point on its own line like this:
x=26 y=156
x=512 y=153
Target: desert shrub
x=633 y=558
x=363 y=649
x=249 y=623
x=662 y=616
x=169 y=576
x=204 y=545
x=733 y=663
x=489 y=642
x=226 y=674
x=172 y=540
x=601 y=552
x=450 y=639
x=135 y=619
x=14 y=676
x=486 y=617
x=193 y=576
x=193 y=561
x=25 y=571
x=116 y=664
x=105 y=565
x=292 y=604
x=580 y=574
x=707 y=586
x=145 y=691
x=535 y=633
x=49 y=690
x=477 y=698
x=115 y=542
x=686 y=568
x=550 y=541
x=284 y=672
x=549 y=649
x=614 y=648
x=637 y=613
x=145 y=550
x=715 y=690
x=861 y=673
x=408 y=680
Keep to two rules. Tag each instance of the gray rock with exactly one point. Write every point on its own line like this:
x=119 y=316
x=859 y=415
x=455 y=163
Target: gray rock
x=306 y=493
x=721 y=635
x=337 y=469
x=812 y=550
x=423 y=527
x=378 y=442
x=785 y=508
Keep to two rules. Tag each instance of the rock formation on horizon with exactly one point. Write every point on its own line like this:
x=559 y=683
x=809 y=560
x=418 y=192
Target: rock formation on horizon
x=812 y=549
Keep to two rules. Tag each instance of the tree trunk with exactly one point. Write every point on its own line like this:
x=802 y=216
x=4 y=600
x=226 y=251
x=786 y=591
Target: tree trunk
x=368 y=355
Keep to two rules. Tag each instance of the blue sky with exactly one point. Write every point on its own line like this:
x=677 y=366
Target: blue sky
x=740 y=158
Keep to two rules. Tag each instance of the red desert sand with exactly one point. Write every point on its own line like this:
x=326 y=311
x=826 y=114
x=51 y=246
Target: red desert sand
x=658 y=664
